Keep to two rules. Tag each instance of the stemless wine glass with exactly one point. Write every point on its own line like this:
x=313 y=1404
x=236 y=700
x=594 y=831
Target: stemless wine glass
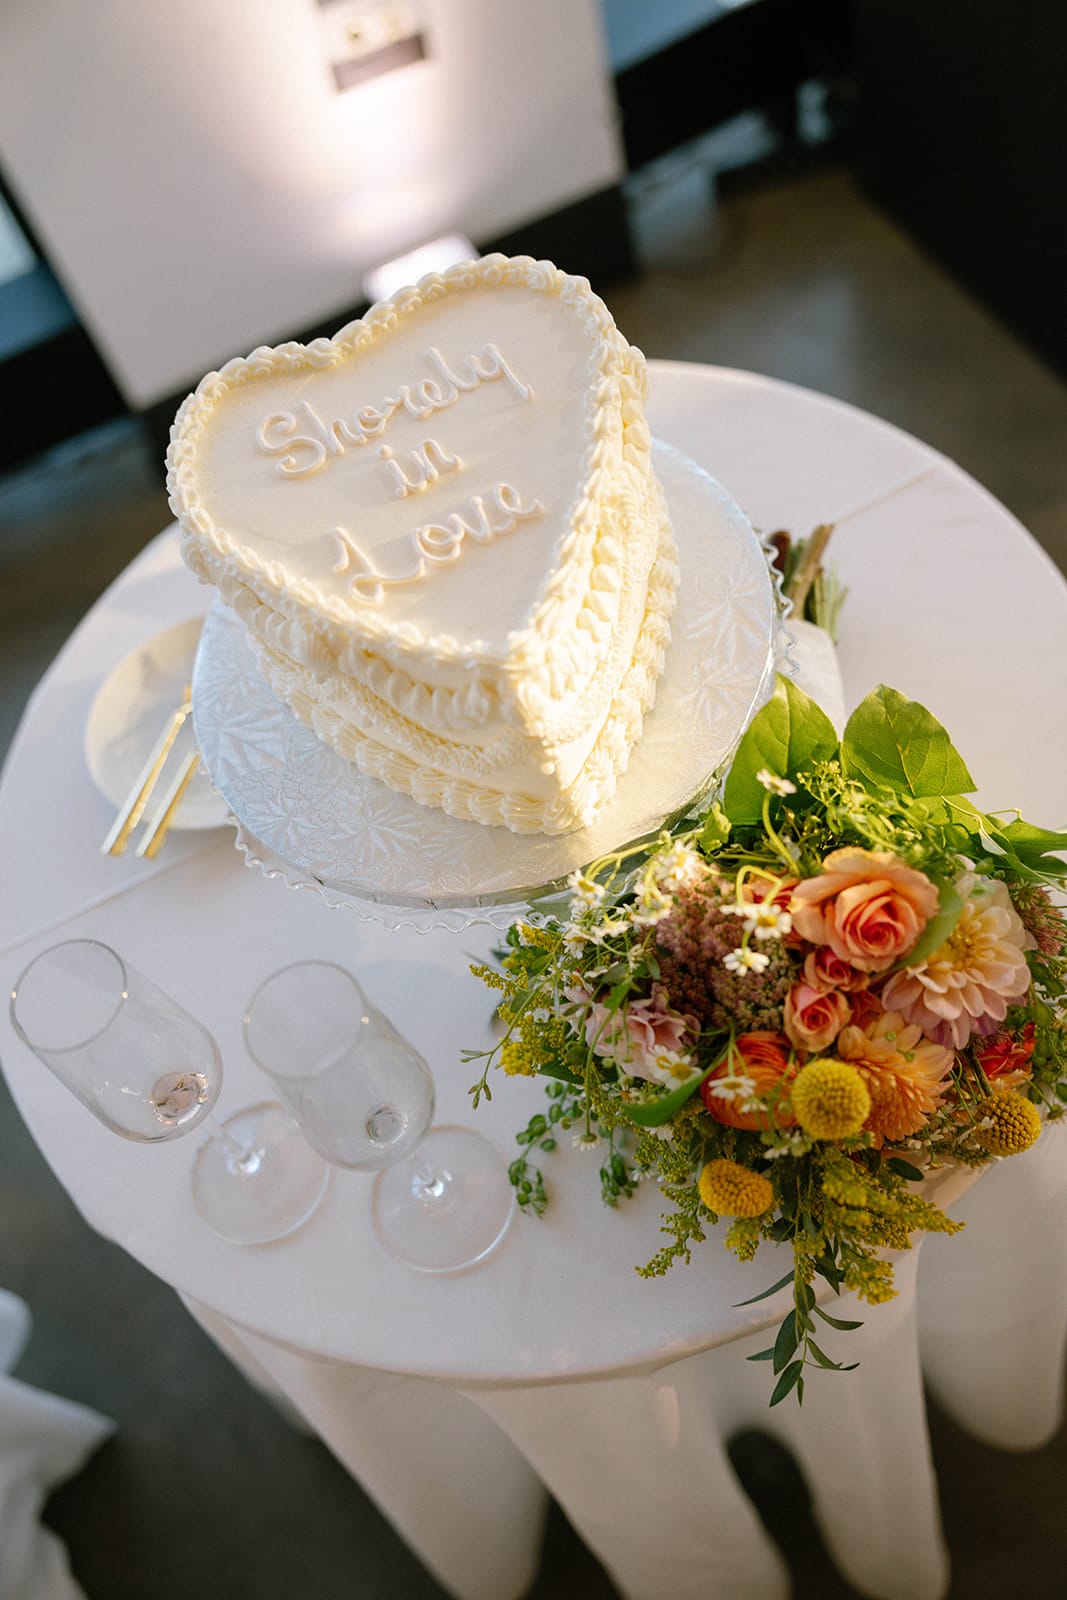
x=365 y=1099
x=149 y=1071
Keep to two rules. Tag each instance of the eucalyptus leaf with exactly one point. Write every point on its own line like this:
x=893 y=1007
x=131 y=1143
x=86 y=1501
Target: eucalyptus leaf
x=839 y=1323
x=761 y=1355
x=787 y=1382
x=785 y=1344
x=786 y=735
x=765 y=1294
x=891 y=742
x=824 y=1360
x=904 y=1169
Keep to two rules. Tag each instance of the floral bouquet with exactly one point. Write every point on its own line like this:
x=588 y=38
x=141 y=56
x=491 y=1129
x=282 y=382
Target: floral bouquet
x=839 y=977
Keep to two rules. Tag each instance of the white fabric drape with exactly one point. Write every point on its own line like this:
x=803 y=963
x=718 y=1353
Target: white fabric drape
x=43 y=1441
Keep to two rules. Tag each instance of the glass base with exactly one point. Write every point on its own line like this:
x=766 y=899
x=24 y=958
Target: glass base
x=448 y=1205
x=260 y=1182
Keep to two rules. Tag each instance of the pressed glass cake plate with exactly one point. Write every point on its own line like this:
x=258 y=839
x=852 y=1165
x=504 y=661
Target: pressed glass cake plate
x=309 y=817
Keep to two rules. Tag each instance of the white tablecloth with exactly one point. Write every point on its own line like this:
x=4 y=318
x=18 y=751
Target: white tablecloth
x=637 y=1384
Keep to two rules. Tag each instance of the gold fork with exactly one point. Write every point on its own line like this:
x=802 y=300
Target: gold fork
x=151 y=840
x=133 y=807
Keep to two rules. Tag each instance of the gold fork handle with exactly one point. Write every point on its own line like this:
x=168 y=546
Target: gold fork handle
x=140 y=794
x=151 y=841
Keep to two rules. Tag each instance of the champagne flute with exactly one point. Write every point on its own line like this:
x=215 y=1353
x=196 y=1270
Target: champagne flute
x=149 y=1071
x=364 y=1098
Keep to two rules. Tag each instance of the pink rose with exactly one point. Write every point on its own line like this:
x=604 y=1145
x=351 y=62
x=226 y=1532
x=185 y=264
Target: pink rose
x=824 y=969
x=866 y=905
x=814 y=1017
x=638 y=1034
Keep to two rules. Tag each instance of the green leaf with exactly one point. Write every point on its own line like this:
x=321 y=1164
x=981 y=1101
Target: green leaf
x=787 y=1382
x=891 y=742
x=556 y=1069
x=824 y=1360
x=1028 y=839
x=761 y=1355
x=765 y=1294
x=716 y=829
x=904 y=1169
x=654 y=1113
x=785 y=1344
x=837 y=1322
x=787 y=734
x=619 y=993
x=939 y=928
x=1027 y=846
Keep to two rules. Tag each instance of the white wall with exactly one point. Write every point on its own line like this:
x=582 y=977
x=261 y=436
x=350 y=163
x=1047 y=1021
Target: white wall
x=200 y=187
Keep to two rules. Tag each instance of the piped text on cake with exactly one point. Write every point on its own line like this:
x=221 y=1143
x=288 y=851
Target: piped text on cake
x=482 y=519
x=304 y=441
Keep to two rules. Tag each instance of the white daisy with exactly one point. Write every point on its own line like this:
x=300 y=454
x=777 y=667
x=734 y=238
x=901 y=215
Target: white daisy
x=773 y=783
x=746 y=960
x=768 y=921
x=678 y=867
x=585 y=892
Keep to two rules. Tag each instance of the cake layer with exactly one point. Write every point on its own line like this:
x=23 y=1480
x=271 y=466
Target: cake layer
x=496 y=781
x=439 y=529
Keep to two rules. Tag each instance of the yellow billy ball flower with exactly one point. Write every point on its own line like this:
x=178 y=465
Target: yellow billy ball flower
x=731 y=1190
x=829 y=1099
x=1014 y=1124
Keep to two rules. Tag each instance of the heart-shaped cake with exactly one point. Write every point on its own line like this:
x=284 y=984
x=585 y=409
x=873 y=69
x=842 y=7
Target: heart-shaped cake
x=442 y=532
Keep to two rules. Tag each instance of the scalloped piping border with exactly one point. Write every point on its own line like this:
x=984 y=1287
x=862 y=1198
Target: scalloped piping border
x=618 y=370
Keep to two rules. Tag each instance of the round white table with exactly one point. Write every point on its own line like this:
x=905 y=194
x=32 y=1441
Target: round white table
x=454 y=1398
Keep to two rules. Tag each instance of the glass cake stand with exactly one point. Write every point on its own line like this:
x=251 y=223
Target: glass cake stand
x=311 y=819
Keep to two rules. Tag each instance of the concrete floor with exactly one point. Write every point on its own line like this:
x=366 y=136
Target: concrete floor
x=205 y=1492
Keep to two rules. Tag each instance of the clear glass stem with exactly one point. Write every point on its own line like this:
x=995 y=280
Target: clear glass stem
x=429 y=1184
x=242 y=1159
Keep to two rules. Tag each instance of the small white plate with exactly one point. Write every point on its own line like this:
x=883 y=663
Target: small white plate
x=128 y=715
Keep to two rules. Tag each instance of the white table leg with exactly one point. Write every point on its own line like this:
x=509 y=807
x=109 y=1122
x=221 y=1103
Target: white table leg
x=860 y=1440
x=639 y=1465
x=653 y=1496
x=448 y=1480
x=993 y=1301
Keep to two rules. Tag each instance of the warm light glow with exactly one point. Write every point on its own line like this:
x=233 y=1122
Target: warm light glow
x=381 y=283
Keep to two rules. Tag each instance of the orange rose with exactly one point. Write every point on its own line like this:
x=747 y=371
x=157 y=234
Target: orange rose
x=824 y=969
x=814 y=1017
x=866 y=905
x=764 y=1059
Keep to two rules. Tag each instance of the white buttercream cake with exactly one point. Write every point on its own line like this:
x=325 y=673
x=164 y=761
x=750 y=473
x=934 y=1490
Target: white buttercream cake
x=442 y=532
